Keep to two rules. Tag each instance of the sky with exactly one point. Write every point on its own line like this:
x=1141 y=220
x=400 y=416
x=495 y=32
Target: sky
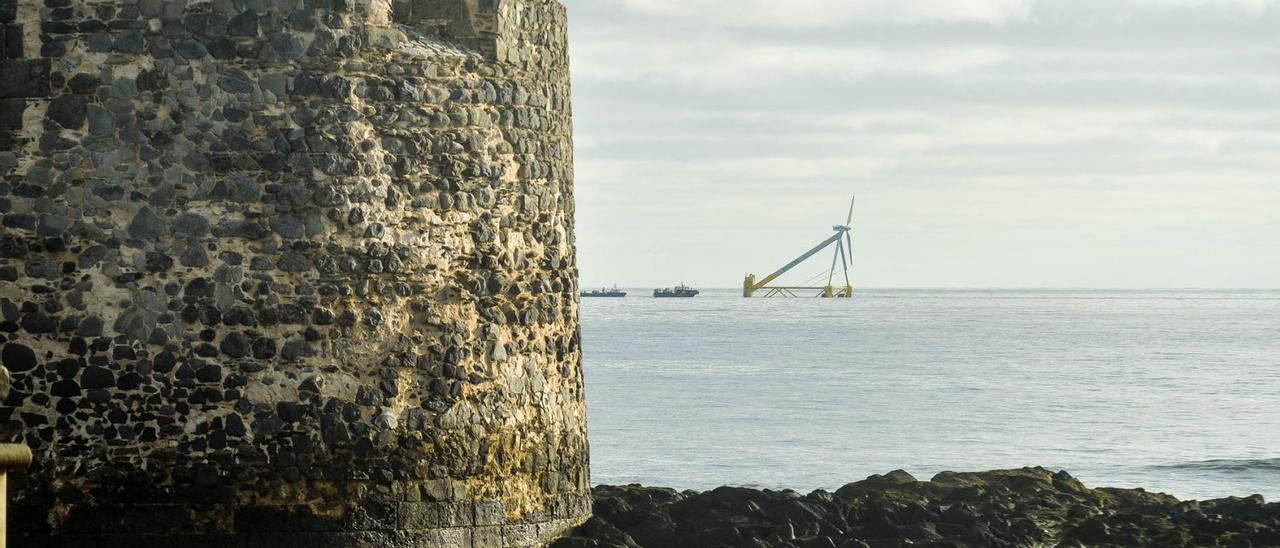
x=990 y=143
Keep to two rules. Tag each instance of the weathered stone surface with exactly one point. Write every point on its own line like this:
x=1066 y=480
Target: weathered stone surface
x=11 y=113
x=291 y=272
x=24 y=78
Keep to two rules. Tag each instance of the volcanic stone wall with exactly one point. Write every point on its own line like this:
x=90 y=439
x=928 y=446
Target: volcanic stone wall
x=289 y=273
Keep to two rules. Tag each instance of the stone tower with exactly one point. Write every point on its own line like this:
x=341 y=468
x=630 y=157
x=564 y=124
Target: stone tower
x=289 y=273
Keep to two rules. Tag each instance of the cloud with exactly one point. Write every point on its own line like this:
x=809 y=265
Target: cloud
x=1252 y=6
x=1131 y=135
x=826 y=13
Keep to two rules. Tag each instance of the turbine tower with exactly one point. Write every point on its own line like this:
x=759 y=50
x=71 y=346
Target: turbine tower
x=843 y=258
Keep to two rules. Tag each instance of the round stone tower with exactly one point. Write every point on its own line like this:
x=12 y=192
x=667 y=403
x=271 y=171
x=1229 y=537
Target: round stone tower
x=289 y=273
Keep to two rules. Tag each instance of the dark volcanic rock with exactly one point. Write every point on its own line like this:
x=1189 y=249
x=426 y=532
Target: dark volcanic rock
x=67 y=110
x=1025 y=507
x=18 y=358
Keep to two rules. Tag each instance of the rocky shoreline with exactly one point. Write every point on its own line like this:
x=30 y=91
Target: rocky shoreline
x=1031 y=507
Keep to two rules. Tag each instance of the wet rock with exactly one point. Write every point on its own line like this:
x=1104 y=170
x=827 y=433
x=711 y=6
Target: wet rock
x=1024 y=507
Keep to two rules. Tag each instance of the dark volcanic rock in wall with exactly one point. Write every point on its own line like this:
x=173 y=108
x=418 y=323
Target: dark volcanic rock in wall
x=146 y=224
x=97 y=377
x=68 y=110
x=18 y=358
x=1025 y=507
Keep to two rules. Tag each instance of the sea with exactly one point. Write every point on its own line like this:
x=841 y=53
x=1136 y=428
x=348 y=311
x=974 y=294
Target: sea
x=1175 y=391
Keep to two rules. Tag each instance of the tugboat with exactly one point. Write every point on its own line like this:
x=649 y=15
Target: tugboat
x=615 y=292
x=680 y=291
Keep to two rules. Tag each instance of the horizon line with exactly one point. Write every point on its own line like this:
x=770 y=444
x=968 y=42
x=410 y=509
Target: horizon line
x=982 y=288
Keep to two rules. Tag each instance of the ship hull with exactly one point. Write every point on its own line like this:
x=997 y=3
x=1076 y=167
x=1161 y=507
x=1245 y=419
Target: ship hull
x=690 y=295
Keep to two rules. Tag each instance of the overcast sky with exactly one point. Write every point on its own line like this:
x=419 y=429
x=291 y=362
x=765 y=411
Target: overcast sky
x=991 y=143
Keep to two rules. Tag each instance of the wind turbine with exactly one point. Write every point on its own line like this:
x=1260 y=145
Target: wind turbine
x=843 y=258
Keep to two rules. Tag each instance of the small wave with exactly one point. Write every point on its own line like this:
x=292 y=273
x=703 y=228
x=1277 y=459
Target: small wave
x=1227 y=465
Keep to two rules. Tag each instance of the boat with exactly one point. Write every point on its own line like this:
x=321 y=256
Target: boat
x=615 y=292
x=680 y=291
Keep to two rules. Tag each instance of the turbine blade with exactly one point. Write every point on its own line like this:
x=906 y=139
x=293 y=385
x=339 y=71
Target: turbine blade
x=834 y=258
x=850 y=219
x=848 y=261
x=849 y=239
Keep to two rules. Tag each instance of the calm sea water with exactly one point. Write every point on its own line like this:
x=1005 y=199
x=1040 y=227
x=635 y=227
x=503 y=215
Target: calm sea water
x=1173 y=391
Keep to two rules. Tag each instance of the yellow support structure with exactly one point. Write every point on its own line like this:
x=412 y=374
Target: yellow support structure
x=827 y=291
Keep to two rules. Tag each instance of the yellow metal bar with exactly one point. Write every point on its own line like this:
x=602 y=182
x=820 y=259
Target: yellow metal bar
x=818 y=287
x=830 y=291
x=12 y=457
x=749 y=288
